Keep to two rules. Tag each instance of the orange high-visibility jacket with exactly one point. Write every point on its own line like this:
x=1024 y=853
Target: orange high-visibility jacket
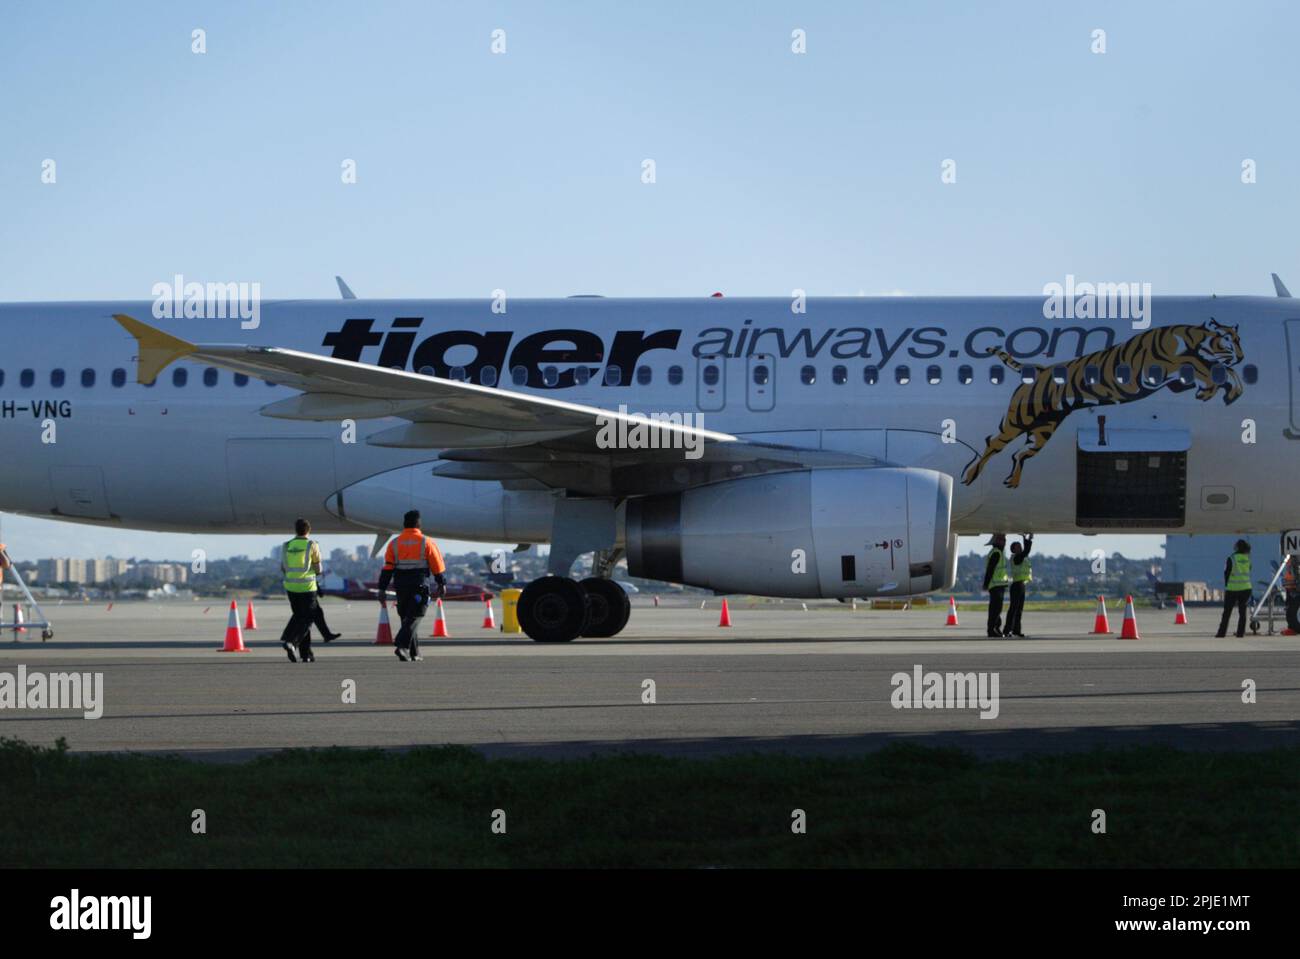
x=412 y=550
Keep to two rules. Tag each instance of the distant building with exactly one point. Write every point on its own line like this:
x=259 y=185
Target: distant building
x=1201 y=558
x=363 y=554
x=161 y=572
x=339 y=556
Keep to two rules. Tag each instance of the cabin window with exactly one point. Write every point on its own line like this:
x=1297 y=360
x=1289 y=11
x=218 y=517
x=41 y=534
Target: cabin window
x=180 y=376
x=1092 y=374
x=840 y=375
x=488 y=375
x=1250 y=373
x=614 y=375
x=425 y=371
x=643 y=375
x=241 y=379
x=458 y=374
x=87 y=378
x=1155 y=374
x=675 y=375
x=1028 y=374
x=1186 y=375
x=761 y=374
x=871 y=375
x=808 y=375
x=210 y=376
x=56 y=377
x=965 y=375
x=1218 y=374
x=711 y=375
x=902 y=375
x=1123 y=374
x=996 y=375
x=26 y=378
x=519 y=376
x=1059 y=375
x=119 y=377
x=933 y=375
x=582 y=375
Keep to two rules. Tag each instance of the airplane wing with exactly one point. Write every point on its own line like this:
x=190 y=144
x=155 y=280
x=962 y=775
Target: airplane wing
x=490 y=433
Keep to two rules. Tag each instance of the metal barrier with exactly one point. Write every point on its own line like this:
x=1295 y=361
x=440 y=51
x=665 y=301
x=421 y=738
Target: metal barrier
x=38 y=620
x=1268 y=593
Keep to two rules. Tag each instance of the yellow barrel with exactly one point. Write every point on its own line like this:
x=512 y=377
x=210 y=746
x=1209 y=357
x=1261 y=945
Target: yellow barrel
x=510 y=610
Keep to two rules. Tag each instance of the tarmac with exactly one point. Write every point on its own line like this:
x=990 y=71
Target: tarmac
x=816 y=682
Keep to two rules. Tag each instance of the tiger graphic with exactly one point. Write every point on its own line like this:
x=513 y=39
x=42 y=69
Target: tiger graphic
x=1038 y=407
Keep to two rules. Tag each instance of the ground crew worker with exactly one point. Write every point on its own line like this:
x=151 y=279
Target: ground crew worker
x=995 y=582
x=1291 y=583
x=1236 y=581
x=1022 y=573
x=300 y=563
x=409 y=560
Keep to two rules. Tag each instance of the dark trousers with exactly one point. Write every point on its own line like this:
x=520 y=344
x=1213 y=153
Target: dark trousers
x=1014 y=611
x=319 y=619
x=995 y=609
x=411 y=608
x=1234 y=598
x=298 y=630
x=1293 y=612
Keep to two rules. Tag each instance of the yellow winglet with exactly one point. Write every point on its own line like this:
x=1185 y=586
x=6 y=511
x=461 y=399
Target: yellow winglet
x=157 y=348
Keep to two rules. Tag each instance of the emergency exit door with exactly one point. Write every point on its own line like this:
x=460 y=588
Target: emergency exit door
x=1293 y=375
x=760 y=382
x=711 y=383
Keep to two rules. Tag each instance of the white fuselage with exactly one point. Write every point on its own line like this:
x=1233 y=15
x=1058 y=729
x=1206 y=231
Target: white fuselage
x=200 y=457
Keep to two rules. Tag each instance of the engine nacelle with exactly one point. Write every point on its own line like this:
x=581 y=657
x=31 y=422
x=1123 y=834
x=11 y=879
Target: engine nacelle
x=822 y=533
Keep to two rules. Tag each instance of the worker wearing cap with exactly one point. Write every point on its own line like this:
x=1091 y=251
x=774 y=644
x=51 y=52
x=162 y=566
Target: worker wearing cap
x=409 y=560
x=1021 y=572
x=1236 y=592
x=300 y=564
x=996 y=580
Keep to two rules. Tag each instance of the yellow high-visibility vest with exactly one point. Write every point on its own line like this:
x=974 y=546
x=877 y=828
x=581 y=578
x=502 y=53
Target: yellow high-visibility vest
x=1024 y=573
x=1000 y=577
x=1239 y=578
x=299 y=577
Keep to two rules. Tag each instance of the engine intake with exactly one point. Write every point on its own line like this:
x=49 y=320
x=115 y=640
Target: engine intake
x=823 y=533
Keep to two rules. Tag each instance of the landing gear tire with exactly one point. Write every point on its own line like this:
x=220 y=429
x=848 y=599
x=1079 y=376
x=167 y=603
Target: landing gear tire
x=610 y=607
x=553 y=609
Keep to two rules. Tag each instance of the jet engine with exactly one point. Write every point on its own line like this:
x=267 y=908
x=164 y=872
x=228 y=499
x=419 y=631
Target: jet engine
x=822 y=533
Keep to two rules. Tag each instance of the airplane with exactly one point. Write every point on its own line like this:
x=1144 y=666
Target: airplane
x=833 y=447
x=345 y=588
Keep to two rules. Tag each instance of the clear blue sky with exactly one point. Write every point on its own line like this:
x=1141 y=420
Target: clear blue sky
x=522 y=171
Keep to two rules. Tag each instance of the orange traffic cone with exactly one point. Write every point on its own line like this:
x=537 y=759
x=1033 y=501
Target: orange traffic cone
x=18 y=619
x=488 y=621
x=1101 y=625
x=234 y=638
x=250 y=621
x=1180 y=617
x=440 y=624
x=952 y=611
x=1130 y=629
x=726 y=614
x=384 y=634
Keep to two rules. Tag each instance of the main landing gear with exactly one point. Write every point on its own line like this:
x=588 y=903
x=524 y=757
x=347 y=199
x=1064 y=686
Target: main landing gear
x=556 y=609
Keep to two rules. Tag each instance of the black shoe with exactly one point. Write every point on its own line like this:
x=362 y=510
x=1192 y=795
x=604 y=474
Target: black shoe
x=1219 y=636
x=309 y=658
x=330 y=637
x=417 y=658
x=288 y=648
x=400 y=653
x=1018 y=635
